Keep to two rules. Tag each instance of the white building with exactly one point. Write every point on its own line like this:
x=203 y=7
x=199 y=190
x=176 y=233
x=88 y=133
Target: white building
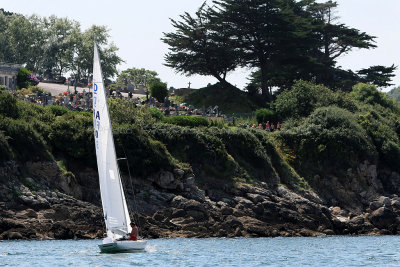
x=8 y=75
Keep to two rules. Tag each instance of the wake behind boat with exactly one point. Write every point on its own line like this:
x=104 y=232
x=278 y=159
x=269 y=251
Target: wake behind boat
x=115 y=209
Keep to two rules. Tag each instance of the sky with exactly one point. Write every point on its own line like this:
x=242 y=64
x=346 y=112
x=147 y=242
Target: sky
x=136 y=27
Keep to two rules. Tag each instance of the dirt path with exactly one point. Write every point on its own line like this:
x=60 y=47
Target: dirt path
x=55 y=89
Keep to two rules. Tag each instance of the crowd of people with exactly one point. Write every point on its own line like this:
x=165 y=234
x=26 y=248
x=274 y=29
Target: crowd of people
x=270 y=127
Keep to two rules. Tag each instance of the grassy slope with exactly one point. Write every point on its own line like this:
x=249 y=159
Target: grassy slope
x=228 y=98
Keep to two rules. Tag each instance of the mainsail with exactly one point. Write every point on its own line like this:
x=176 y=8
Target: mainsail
x=112 y=194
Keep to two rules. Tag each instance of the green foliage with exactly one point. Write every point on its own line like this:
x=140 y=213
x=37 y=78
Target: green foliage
x=123 y=111
x=145 y=154
x=58 y=110
x=330 y=137
x=378 y=75
x=394 y=93
x=210 y=50
x=189 y=121
x=156 y=113
x=304 y=97
x=2 y=88
x=159 y=91
x=5 y=149
x=228 y=98
x=143 y=76
x=22 y=78
x=8 y=105
x=72 y=134
x=247 y=150
x=383 y=128
x=196 y=147
x=368 y=94
x=263 y=115
x=25 y=141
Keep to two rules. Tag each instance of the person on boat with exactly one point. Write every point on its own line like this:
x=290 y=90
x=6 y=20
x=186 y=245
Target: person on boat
x=134 y=234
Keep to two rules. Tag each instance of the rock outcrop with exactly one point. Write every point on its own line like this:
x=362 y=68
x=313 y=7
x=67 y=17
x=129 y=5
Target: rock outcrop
x=50 y=204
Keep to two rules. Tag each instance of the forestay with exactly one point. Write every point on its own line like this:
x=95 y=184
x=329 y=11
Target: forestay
x=112 y=194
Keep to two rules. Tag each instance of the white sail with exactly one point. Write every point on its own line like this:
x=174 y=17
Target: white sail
x=112 y=194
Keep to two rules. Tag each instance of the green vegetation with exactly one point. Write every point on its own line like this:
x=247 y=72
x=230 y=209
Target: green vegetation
x=263 y=115
x=229 y=99
x=283 y=40
x=324 y=132
x=159 y=91
x=186 y=121
x=394 y=93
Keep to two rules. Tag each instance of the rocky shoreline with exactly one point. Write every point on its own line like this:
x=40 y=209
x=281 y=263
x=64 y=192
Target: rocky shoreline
x=52 y=204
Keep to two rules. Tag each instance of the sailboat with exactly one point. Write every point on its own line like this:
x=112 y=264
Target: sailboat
x=115 y=209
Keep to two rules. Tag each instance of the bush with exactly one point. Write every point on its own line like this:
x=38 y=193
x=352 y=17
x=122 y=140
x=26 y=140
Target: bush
x=159 y=91
x=23 y=80
x=204 y=151
x=188 y=121
x=304 y=97
x=8 y=105
x=156 y=113
x=57 y=110
x=368 y=94
x=145 y=154
x=2 y=87
x=332 y=137
x=24 y=140
x=73 y=135
x=123 y=111
x=263 y=115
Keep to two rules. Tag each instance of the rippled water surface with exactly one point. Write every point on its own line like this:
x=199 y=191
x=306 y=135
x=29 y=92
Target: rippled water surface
x=324 y=251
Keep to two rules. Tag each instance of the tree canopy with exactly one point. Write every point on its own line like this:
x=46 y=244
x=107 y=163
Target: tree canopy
x=53 y=46
x=282 y=40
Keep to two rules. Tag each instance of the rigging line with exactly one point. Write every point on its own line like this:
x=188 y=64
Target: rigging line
x=135 y=212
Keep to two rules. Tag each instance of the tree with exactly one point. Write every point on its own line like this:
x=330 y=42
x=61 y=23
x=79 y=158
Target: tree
x=274 y=36
x=159 y=91
x=57 y=49
x=201 y=45
x=378 y=75
x=137 y=76
x=335 y=39
x=82 y=52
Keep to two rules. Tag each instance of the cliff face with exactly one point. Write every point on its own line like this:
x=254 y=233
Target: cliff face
x=50 y=204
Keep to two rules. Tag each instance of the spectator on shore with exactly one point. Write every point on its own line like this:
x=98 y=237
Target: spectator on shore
x=278 y=126
x=267 y=126
x=272 y=127
x=253 y=126
x=260 y=126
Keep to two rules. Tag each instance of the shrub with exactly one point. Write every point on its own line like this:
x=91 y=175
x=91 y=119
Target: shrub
x=2 y=87
x=23 y=80
x=125 y=112
x=5 y=149
x=331 y=136
x=156 y=113
x=159 y=90
x=368 y=94
x=189 y=121
x=8 y=105
x=145 y=154
x=73 y=135
x=23 y=138
x=304 y=97
x=263 y=115
x=204 y=151
x=57 y=110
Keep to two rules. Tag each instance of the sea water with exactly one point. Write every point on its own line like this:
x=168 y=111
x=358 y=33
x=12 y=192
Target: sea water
x=301 y=251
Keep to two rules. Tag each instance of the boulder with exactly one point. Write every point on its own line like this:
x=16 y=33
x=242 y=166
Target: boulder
x=166 y=180
x=382 y=217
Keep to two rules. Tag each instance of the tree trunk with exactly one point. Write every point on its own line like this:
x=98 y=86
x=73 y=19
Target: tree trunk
x=264 y=83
